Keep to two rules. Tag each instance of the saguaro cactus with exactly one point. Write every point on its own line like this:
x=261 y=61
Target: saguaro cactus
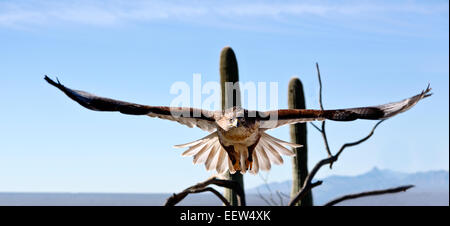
x=296 y=100
x=229 y=74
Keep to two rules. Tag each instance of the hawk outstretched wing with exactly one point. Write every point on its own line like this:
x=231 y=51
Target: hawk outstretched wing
x=190 y=117
x=277 y=118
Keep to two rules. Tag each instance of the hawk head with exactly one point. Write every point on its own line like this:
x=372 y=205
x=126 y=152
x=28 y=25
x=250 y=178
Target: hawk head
x=233 y=118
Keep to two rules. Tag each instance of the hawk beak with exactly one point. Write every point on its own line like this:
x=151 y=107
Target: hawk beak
x=235 y=123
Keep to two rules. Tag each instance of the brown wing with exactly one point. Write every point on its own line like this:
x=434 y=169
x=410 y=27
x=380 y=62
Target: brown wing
x=274 y=119
x=187 y=116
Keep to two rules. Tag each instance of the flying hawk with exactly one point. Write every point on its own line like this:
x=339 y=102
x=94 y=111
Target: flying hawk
x=238 y=140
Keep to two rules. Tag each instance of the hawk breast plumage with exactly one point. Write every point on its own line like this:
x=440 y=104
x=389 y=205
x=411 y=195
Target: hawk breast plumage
x=238 y=140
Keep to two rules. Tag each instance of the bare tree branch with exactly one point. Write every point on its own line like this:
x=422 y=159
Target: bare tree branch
x=330 y=160
x=320 y=86
x=214 y=191
x=269 y=201
x=284 y=195
x=325 y=140
x=263 y=198
x=202 y=187
x=308 y=185
x=368 y=193
x=322 y=130
x=316 y=127
x=280 y=197
x=359 y=141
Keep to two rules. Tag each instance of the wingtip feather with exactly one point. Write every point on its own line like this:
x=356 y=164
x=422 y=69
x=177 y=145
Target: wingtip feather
x=426 y=92
x=56 y=84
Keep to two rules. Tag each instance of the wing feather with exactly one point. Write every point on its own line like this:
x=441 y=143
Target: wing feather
x=277 y=118
x=187 y=116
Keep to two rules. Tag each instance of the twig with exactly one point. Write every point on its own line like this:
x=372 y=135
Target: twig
x=359 y=141
x=369 y=193
x=286 y=196
x=214 y=191
x=308 y=185
x=325 y=139
x=330 y=160
x=264 y=199
x=317 y=128
x=320 y=87
x=280 y=197
x=269 y=201
x=202 y=187
x=322 y=131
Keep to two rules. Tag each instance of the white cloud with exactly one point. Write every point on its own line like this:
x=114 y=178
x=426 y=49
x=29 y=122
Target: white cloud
x=106 y=13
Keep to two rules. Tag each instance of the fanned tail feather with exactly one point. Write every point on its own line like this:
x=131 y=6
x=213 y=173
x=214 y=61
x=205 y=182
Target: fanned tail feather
x=195 y=142
x=209 y=151
x=269 y=150
x=202 y=155
x=243 y=151
x=255 y=168
x=211 y=161
x=222 y=162
x=276 y=140
x=263 y=159
x=273 y=154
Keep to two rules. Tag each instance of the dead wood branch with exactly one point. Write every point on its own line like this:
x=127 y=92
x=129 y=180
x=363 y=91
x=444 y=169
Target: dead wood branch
x=269 y=201
x=202 y=187
x=309 y=185
x=369 y=193
x=322 y=131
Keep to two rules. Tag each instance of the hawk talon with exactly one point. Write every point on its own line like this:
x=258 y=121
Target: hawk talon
x=248 y=164
x=236 y=166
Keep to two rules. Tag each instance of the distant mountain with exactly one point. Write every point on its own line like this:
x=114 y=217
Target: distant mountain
x=431 y=188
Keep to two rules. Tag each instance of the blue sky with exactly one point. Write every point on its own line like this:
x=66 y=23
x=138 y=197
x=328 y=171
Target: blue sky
x=370 y=52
